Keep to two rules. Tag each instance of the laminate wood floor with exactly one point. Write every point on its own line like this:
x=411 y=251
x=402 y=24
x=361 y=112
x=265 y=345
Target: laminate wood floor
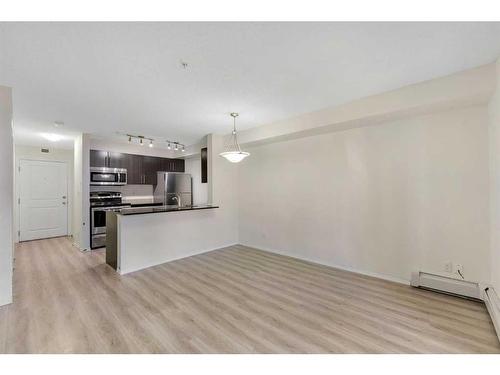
x=233 y=300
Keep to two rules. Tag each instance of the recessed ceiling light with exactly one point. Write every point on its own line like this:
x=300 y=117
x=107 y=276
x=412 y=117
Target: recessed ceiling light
x=52 y=137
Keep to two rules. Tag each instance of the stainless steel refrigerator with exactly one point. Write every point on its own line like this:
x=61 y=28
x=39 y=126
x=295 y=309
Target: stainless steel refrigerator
x=174 y=189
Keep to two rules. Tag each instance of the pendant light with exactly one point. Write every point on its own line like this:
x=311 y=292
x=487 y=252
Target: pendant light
x=233 y=151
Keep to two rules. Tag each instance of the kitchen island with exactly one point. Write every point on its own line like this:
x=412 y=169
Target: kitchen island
x=137 y=238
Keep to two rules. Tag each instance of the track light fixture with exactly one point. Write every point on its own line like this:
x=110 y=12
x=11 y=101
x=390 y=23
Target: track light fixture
x=142 y=139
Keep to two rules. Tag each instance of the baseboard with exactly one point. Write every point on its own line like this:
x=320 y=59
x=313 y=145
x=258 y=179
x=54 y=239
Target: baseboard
x=7 y=300
x=334 y=265
x=492 y=302
x=78 y=247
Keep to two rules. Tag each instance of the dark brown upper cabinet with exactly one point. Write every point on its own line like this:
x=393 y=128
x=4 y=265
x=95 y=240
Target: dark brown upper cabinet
x=98 y=158
x=204 y=165
x=117 y=160
x=141 y=169
x=151 y=165
x=133 y=164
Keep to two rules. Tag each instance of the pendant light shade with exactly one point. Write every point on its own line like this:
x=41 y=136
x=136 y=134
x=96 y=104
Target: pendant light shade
x=232 y=149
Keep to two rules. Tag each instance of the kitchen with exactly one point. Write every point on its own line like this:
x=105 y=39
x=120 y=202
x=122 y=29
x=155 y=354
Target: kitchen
x=119 y=180
x=131 y=193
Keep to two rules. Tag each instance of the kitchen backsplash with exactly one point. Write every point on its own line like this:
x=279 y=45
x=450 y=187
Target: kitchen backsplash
x=135 y=194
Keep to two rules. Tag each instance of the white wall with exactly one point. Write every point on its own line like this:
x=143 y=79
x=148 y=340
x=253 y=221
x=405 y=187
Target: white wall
x=81 y=214
x=77 y=191
x=6 y=195
x=200 y=191
x=494 y=122
x=385 y=200
x=223 y=190
x=34 y=153
x=469 y=87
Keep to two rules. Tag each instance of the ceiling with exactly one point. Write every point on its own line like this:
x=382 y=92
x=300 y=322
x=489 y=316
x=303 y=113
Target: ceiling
x=109 y=78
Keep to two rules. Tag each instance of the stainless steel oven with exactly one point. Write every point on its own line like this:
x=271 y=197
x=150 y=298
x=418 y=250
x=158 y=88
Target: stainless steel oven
x=108 y=176
x=99 y=217
x=100 y=203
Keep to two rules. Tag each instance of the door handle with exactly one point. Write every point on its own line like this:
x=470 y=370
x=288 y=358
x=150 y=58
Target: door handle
x=64 y=197
x=63 y=202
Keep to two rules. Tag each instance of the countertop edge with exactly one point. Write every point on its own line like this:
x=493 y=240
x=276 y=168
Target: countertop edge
x=162 y=211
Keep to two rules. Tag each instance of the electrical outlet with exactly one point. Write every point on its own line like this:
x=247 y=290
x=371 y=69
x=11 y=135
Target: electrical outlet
x=448 y=267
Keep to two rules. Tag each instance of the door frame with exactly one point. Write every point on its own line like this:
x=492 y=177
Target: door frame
x=17 y=201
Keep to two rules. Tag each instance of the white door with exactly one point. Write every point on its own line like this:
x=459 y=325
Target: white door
x=43 y=193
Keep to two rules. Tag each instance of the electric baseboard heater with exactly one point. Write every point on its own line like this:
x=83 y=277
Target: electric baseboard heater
x=448 y=285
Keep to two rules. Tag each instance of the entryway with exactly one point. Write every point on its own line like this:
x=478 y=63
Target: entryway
x=43 y=199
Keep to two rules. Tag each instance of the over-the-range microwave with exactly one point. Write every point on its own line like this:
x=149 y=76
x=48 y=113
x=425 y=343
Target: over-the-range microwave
x=108 y=176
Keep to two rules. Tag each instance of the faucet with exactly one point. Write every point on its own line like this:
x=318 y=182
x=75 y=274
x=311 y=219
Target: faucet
x=178 y=199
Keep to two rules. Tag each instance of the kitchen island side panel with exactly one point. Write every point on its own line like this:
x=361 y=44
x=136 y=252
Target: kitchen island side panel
x=151 y=239
x=112 y=239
